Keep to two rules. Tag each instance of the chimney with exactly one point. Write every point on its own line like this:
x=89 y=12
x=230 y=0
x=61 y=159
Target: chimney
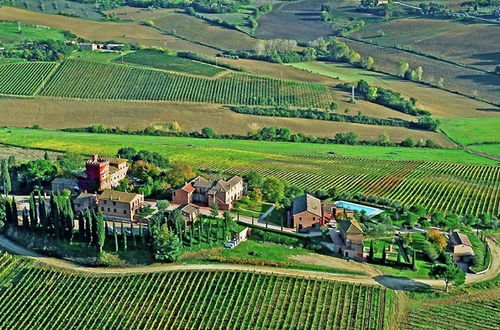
x=95 y=158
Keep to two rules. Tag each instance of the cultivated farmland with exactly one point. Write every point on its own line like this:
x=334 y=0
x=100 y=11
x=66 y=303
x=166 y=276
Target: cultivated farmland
x=444 y=186
x=186 y=300
x=87 y=80
x=23 y=78
x=163 y=61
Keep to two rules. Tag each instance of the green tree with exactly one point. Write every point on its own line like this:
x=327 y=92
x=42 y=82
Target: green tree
x=166 y=245
x=214 y=210
x=115 y=236
x=450 y=274
x=368 y=62
x=100 y=230
x=124 y=237
x=179 y=173
x=162 y=205
x=384 y=255
x=7 y=185
x=40 y=170
x=403 y=66
x=273 y=189
x=81 y=225
x=32 y=212
x=371 y=252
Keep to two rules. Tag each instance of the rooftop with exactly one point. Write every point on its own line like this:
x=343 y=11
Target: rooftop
x=459 y=239
x=120 y=196
x=306 y=203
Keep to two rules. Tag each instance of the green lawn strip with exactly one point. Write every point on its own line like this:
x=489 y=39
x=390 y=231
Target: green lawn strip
x=472 y=130
x=9 y=33
x=234 y=150
x=479 y=247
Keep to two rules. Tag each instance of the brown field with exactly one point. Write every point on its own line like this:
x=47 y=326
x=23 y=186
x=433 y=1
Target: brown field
x=103 y=31
x=24 y=154
x=466 y=81
x=196 y=29
x=439 y=102
x=137 y=14
x=49 y=113
x=465 y=43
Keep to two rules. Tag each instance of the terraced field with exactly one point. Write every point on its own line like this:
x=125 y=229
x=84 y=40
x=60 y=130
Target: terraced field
x=88 y=80
x=394 y=173
x=23 y=78
x=164 y=61
x=48 y=298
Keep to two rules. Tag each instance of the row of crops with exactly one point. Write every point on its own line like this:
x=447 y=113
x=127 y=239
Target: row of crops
x=24 y=78
x=163 y=61
x=51 y=299
x=469 y=315
x=438 y=186
x=91 y=80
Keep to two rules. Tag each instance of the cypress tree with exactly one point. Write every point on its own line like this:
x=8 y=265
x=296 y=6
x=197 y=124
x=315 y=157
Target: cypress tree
x=384 y=255
x=132 y=233
x=14 y=212
x=81 y=226
x=141 y=234
x=413 y=261
x=26 y=220
x=115 y=236
x=32 y=212
x=370 y=253
x=46 y=156
x=7 y=185
x=100 y=230
x=50 y=217
x=88 y=226
x=8 y=212
x=399 y=258
x=124 y=237
x=42 y=213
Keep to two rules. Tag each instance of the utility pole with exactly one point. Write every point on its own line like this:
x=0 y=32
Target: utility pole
x=19 y=26
x=352 y=96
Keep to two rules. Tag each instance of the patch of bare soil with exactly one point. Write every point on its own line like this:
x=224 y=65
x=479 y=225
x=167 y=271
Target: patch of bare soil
x=322 y=260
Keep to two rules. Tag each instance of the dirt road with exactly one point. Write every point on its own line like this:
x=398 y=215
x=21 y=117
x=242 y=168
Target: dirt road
x=374 y=278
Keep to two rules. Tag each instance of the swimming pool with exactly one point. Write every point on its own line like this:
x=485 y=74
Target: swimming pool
x=370 y=211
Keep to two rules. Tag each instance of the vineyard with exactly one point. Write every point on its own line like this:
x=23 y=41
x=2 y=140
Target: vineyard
x=163 y=61
x=468 y=315
x=41 y=298
x=438 y=186
x=23 y=78
x=89 y=80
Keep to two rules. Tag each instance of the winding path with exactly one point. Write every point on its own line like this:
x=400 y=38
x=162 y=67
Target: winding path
x=395 y=283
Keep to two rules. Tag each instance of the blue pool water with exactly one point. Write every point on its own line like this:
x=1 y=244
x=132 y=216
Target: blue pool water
x=370 y=211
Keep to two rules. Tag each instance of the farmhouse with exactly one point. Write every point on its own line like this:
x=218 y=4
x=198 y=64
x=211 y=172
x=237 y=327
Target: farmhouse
x=119 y=205
x=190 y=213
x=88 y=46
x=205 y=192
x=305 y=213
x=102 y=173
x=460 y=248
x=60 y=184
x=348 y=240
x=84 y=201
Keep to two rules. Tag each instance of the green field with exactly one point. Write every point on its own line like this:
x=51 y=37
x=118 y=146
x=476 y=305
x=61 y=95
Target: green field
x=465 y=315
x=9 y=33
x=164 y=61
x=89 y=80
x=48 y=298
x=491 y=149
x=472 y=130
x=23 y=78
x=438 y=185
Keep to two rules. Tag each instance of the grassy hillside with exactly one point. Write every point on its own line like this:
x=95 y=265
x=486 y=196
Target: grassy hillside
x=472 y=131
x=395 y=173
x=182 y=299
x=9 y=33
x=58 y=113
x=439 y=102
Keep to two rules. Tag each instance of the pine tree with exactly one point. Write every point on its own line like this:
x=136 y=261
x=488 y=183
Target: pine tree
x=124 y=237
x=132 y=233
x=81 y=226
x=141 y=234
x=384 y=255
x=115 y=236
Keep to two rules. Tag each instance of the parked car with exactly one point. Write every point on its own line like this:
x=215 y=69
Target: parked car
x=229 y=245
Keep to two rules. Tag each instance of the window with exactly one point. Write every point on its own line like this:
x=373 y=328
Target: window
x=109 y=210
x=314 y=218
x=102 y=208
x=124 y=211
x=105 y=202
x=114 y=203
x=114 y=210
x=300 y=218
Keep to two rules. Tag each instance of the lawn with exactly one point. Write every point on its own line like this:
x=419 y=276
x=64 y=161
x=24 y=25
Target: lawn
x=9 y=33
x=491 y=149
x=479 y=248
x=423 y=268
x=241 y=150
x=472 y=131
